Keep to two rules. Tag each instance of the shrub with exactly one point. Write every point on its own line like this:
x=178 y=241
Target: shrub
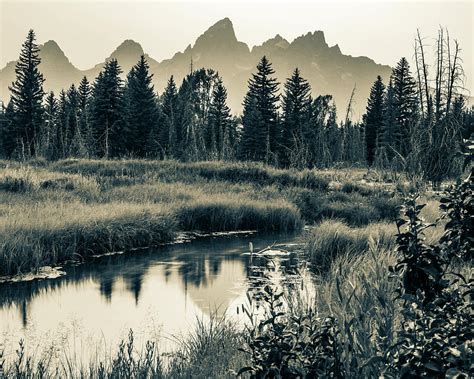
x=436 y=335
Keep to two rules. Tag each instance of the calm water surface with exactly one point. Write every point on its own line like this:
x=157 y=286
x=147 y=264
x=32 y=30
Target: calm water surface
x=158 y=293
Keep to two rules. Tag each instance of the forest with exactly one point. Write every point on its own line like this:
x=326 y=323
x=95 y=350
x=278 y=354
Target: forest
x=414 y=122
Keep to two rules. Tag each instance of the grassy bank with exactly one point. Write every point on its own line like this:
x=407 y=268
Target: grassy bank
x=348 y=320
x=52 y=212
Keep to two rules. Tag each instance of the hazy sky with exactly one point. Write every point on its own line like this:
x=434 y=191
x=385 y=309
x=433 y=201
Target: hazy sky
x=88 y=31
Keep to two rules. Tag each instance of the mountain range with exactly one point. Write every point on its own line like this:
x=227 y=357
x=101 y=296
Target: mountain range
x=327 y=69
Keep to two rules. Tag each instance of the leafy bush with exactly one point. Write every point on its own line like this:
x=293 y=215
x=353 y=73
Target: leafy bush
x=282 y=346
x=436 y=339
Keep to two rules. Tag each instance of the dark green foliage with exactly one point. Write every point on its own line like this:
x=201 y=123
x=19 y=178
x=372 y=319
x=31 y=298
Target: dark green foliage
x=193 y=105
x=436 y=336
x=221 y=134
x=168 y=132
x=373 y=119
x=8 y=139
x=27 y=96
x=48 y=129
x=142 y=110
x=83 y=114
x=284 y=346
x=261 y=134
x=107 y=112
x=458 y=205
x=390 y=130
x=296 y=110
x=406 y=103
x=421 y=268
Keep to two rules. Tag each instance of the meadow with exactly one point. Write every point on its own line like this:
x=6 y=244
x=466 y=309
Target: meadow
x=68 y=210
x=348 y=323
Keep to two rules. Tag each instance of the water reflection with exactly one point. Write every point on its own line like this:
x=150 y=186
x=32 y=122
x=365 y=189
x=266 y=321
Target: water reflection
x=165 y=288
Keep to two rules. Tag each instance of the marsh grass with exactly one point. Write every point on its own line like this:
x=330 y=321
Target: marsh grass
x=142 y=170
x=359 y=291
x=50 y=233
x=209 y=350
x=52 y=212
x=333 y=238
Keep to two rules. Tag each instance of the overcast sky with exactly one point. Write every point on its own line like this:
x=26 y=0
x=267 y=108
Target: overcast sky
x=88 y=31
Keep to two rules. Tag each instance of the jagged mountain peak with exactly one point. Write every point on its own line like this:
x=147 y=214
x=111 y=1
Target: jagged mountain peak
x=219 y=35
x=314 y=41
x=52 y=50
x=271 y=46
x=127 y=48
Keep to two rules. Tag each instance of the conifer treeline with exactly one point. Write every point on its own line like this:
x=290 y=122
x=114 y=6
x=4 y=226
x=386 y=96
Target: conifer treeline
x=112 y=118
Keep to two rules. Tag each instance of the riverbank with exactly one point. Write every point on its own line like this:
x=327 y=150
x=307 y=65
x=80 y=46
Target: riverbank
x=53 y=212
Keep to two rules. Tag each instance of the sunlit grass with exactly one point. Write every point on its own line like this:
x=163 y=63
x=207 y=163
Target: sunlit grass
x=51 y=212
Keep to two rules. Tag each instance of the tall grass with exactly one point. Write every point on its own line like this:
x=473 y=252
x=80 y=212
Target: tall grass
x=210 y=350
x=51 y=212
x=50 y=233
x=332 y=238
x=174 y=171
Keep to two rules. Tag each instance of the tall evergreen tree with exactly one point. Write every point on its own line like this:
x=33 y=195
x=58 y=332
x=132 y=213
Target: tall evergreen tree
x=296 y=107
x=390 y=132
x=220 y=123
x=84 y=94
x=83 y=114
x=72 y=136
x=60 y=137
x=27 y=96
x=260 y=118
x=168 y=136
x=406 y=100
x=107 y=111
x=142 y=115
x=373 y=119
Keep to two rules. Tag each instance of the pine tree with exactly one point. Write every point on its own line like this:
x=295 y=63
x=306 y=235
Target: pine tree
x=168 y=136
x=73 y=139
x=260 y=106
x=60 y=137
x=84 y=94
x=406 y=100
x=142 y=115
x=27 y=96
x=219 y=132
x=107 y=112
x=390 y=132
x=373 y=119
x=296 y=106
x=83 y=114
